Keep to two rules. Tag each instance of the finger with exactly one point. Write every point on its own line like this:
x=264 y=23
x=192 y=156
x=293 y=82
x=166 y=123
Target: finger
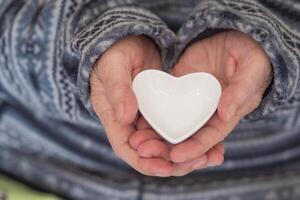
x=122 y=148
x=215 y=158
x=116 y=78
x=150 y=167
x=207 y=137
x=221 y=148
x=142 y=124
x=233 y=98
x=156 y=166
x=212 y=158
x=106 y=114
x=245 y=89
x=154 y=148
x=147 y=166
x=104 y=111
x=181 y=169
x=141 y=136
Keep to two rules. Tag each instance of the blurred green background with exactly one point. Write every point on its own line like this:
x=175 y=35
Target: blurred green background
x=18 y=191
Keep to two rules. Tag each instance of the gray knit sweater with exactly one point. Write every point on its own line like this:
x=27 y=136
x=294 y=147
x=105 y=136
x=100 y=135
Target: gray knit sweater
x=51 y=139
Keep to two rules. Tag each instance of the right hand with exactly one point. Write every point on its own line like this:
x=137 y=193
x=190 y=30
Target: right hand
x=115 y=103
x=244 y=71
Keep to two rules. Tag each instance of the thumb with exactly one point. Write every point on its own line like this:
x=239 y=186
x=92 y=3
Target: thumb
x=117 y=83
x=233 y=97
x=243 y=94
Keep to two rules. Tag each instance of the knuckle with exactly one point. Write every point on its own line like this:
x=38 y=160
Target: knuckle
x=219 y=134
x=198 y=140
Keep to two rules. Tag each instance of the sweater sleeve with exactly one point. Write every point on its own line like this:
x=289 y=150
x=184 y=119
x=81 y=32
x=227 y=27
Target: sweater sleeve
x=279 y=39
x=118 y=22
x=47 y=50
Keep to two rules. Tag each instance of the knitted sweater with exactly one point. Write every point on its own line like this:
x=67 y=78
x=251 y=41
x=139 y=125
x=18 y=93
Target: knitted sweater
x=51 y=138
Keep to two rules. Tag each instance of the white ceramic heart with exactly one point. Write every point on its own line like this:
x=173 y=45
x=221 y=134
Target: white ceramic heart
x=176 y=107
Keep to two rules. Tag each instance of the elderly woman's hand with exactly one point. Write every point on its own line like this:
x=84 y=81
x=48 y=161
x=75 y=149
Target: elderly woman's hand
x=244 y=71
x=114 y=101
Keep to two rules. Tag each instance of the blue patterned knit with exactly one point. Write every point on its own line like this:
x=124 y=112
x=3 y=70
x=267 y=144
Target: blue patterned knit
x=51 y=139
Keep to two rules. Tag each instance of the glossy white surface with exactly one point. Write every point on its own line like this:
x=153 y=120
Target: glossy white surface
x=176 y=107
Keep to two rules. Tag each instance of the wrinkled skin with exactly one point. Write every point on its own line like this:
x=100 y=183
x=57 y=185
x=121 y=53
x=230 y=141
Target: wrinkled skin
x=238 y=62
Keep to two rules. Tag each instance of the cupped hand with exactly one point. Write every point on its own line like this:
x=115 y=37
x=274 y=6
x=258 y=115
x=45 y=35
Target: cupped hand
x=244 y=71
x=115 y=103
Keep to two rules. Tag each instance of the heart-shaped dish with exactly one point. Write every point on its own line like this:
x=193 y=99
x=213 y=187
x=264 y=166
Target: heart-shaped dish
x=176 y=107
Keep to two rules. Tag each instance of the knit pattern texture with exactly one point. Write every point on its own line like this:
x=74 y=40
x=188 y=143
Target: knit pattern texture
x=51 y=138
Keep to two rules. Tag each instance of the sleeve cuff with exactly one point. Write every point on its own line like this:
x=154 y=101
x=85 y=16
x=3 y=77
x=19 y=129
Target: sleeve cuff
x=259 y=23
x=90 y=43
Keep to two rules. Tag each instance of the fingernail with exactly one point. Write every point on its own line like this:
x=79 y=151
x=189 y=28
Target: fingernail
x=212 y=164
x=199 y=165
x=201 y=162
x=120 y=111
x=231 y=111
x=160 y=174
x=188 y=164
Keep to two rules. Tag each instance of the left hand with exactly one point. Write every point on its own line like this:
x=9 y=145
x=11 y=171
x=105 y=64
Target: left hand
x=114 y=102
x=244 y=71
